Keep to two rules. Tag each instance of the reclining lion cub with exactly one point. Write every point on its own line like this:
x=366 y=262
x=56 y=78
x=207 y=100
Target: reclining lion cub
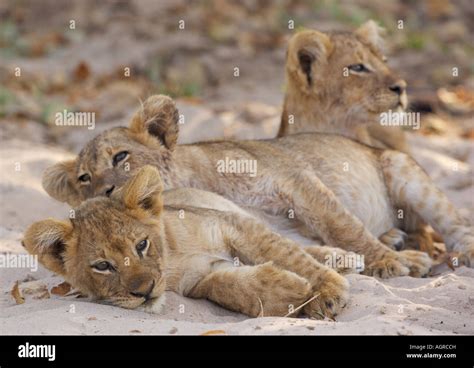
x=338 y=190
x=128 y=249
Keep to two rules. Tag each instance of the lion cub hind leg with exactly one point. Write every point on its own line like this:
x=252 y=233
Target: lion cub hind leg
x=415 y=237
x=253 y=242
x=322 y=212
x=257 y=291
x=411 y=188
x=418 y=238
x=394 y=238
x=424 y=240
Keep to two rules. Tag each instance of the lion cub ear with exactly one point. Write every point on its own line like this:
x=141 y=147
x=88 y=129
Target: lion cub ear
x=143 y=192
x=47 y=240
x=306 y=50
x=372 y=33
x=157 y=119
x=58 y=182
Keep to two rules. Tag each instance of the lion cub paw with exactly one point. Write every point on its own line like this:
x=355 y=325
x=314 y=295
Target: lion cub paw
x=276 y=292
x=419 y=263
x=386 y=267
x=467 y=258
x=332 y=294
x=340 y=260
x=466 y=251
x=394 y=238
x=346 y=262
x=404 y=263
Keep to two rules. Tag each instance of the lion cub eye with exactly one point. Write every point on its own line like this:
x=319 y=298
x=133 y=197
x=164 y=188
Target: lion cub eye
x=358 y=68
x=103 y=266
x=84 y=178
x=119 y=157
x=142 y=246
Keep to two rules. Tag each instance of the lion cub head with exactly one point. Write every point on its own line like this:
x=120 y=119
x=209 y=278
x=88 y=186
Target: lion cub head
x=112 y=249
x=338 y=78
x=108 y=160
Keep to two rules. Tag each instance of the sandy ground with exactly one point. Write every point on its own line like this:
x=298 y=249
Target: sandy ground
x=443 y=304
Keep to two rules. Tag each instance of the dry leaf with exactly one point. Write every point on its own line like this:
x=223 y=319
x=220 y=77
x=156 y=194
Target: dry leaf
x=459 y=257
x=40 y=44
x=81 y=72
x=459 y=100
x=38 y=289
x=468 y=134
x=16 y=294
x=62 y=289
x=444 y=259
x=213 y=332
x=44 y=295
x=33 y=287
x=28 y=278
x=76 y=293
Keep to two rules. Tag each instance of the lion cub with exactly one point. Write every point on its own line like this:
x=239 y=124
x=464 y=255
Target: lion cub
x=334 y=189
x=339 y=82
x=128 y=249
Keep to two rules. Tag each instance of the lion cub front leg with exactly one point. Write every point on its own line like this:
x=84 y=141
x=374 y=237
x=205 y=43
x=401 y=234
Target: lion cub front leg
x=323 y=214
x=253 y=243
x=410 y=188
x=257 y=291
x=341 y=261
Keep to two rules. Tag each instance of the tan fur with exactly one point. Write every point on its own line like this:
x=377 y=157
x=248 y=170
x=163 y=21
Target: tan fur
x=227 y=257
x=340 y=192
x=321 y=98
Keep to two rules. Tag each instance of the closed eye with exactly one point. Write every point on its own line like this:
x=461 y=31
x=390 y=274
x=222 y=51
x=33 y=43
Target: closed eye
x=358 y=68
x=119 y=157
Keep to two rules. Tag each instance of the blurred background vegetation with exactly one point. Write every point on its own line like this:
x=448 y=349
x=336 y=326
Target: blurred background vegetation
x=87 y=55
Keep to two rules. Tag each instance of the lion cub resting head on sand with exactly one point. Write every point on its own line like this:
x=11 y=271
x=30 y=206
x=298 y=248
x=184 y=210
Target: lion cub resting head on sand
x=339 y=82
x=128 y=249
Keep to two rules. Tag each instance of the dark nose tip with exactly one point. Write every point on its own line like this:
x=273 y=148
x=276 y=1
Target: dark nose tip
x=144 y=294
x=399 y=245
x=109 y=191
x=398 y=87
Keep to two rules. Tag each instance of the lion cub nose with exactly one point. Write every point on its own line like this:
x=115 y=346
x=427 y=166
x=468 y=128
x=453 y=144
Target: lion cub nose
x=398 y=87
x=109 y=191
x=143 y=290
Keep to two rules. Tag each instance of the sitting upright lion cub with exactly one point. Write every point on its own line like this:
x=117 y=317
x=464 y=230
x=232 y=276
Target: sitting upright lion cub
x=128 y=249
x=339 y=82
x=336 y=190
